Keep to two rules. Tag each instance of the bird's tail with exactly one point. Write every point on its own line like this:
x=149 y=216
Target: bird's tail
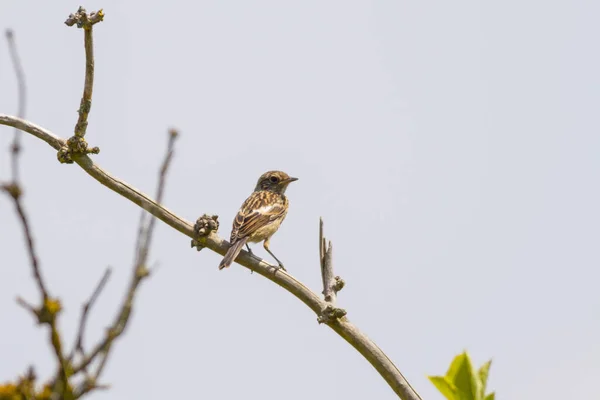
x=232 y=253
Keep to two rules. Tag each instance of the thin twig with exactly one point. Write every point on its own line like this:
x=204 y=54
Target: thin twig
x=117 y=328
x=31 y=247
x=86 y=21
x=27 y=306
x=331 y=284
x=139 y=273
x=14 y=189
x=326 y=254
x=22 y=88
x=49 y=308
x=343 y=327
x=85 y=312
x=147 y=226
x=77 y=143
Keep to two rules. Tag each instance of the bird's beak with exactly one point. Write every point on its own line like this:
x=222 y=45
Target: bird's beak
x=289 y=180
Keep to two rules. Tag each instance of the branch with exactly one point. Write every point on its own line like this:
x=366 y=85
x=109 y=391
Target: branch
x=14 y=191
x=147 y=225
x=77 y=143
x=331 y=284
x=47 y=313
x=140 y=271
x=22 y=96
x=84 y=314
x=341 y=326
x=49 y=309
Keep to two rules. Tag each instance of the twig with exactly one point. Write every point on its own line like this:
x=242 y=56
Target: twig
x=47 y=314
x=331 y=284
x=117 y=328
x=77 y=144
x=18 y=67
x=27 y=306
x=14 y=191
x=84 y=314
x=49 y=308
x=147 y=225
x=139 y=273
x=85 y=21
x=343 y=327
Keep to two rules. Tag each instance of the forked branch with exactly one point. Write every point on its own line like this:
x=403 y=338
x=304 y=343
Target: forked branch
x=331 y=284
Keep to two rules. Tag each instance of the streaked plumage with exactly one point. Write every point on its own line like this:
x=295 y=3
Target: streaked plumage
x=260 y=215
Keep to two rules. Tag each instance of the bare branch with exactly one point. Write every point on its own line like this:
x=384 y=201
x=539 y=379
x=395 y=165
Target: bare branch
x=23 y=303
x=14 y=191
x=33 y=129
x=18 y=67
x=88 y=87
x=77 y=143
x=118 y=327
x=84 y=314
x=47 y=312
x=331 y=284
x=140 y=272
x=147 y=226
x=49 y=308
x=341 y=326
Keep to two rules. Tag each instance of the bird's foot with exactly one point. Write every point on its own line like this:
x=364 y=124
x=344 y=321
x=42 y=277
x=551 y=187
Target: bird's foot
x=276 y=268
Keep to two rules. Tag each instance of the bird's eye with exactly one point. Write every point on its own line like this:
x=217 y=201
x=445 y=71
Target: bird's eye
x=274 y=179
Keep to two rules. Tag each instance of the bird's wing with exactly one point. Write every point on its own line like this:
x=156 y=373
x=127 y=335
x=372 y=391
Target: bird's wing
x=260 y=209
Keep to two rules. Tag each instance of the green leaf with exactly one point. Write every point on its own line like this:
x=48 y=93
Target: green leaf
x=483 y=377
x=446 y=387
x=463 y=376
x=491 y=396
x=462 y=381
x=455 y=366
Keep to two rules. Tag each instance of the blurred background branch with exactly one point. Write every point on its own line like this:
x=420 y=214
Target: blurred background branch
x=73 y=379
x=21 y=100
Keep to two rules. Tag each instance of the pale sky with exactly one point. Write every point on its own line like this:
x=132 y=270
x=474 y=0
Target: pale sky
x=451 y=148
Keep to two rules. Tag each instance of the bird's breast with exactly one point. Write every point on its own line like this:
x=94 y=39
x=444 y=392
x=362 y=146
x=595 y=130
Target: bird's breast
x=266 y=231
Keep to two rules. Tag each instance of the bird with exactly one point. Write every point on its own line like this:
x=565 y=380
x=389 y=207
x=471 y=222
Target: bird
x=260 y=216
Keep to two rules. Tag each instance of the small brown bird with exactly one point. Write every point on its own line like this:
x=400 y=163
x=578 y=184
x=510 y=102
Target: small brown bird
x=260 y=216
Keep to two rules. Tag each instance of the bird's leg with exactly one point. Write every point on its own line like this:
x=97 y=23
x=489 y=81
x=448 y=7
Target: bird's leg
x=251 y=253
x=266 y=246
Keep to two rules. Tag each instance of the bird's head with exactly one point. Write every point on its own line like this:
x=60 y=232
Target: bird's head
x=274 y=181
